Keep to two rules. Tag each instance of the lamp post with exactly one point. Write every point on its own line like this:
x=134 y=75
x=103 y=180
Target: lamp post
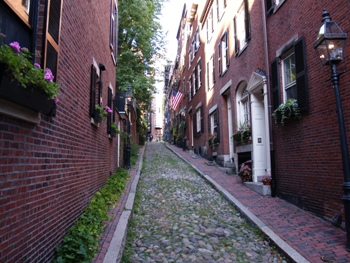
x=330 y=45
x=128 y=102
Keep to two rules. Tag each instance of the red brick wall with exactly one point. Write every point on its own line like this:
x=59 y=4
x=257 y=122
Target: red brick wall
x=49 y=171
x=308 y=157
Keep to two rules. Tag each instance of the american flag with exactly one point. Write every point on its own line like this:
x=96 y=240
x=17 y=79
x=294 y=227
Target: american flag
x=175 y=99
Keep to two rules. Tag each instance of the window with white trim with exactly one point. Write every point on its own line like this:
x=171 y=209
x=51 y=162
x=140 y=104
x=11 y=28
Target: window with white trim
x=113 y=34
x=241 y=27
x=220 y=7
x=223 y=54
x=210 y=25
x=243 y=106
x=289 y=75
x=246 y=108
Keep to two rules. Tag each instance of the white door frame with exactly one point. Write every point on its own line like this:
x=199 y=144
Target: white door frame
x=257 y=88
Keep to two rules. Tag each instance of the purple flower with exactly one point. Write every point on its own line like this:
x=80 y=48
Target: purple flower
x=108 y=109
x=56 y=100
x=48 y=75
x=37 y=65
x=15 y=46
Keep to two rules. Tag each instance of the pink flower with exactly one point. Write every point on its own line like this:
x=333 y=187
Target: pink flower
x=108 y=109
x=48 y=75
x=56 y=100
x=37 y=65
x=15 y=46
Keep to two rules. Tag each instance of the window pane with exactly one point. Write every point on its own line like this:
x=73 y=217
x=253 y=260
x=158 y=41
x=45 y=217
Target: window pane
x=289 y=70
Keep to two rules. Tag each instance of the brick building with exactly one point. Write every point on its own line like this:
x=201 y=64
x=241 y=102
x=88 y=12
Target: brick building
x=237 y=61
x=52 y=162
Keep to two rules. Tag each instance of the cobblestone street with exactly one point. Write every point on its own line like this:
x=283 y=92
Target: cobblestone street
x=178 y=217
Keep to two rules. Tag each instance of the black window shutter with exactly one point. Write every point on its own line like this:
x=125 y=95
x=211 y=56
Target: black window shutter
x=195 y=124
x=247 y=21
x=269 y=6
x=209 y=124
x=199 y=74
x=202 y=120
x=275 y=84
x=226 y=50
x=220 y=57
x=93 y=91
x=109 y=117
x=54 y=19
x=301 y=76
x=217 y=124
x=235 y=36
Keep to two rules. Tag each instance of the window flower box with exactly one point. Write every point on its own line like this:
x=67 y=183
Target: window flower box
x=30 y=97
x=25 y=83
x=286 y=111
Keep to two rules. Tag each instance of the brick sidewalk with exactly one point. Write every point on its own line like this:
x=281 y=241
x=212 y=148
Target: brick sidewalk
x=314 y=238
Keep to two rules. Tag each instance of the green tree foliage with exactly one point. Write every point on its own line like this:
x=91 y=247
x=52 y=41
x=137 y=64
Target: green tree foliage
x=140 y=39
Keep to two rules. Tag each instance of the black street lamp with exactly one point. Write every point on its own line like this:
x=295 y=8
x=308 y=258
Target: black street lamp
x=128 y=103
x=330 y=45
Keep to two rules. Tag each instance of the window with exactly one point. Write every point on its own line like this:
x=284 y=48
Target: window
x=110 y=116
x=193 y=79
x=53 y=35
x=21 y=8
x=198 y=121
x=210 y=73
x=113 y=34
x=210 y=25
x=197 y=41
x=245 y=106
x=223 y=54
x=271 y=4
x=213 y=122
x=190 y=91
x=294 y=77
x=241 y=27
x=95 y=88
x=220 y=6
x=198 y=74
x=289 y=77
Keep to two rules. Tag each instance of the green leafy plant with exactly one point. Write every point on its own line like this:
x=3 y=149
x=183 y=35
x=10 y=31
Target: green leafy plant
x=114 y=129
x=182 y=126
x=80 y=244
x=242 y=135
x=18 y=65
x=102 y=112
x=286 y=111
x=175 y=130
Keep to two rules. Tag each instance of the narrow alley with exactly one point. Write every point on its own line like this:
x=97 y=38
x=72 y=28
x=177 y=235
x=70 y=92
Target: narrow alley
x=179 y=217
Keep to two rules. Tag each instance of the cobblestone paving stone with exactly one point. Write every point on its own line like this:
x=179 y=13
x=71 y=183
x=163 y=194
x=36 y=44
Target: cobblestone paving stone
x=180 y=218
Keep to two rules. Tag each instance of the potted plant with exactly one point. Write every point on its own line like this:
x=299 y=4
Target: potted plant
x=25 y=83
x=266 y=180
x=286 y=111
x=245 y=171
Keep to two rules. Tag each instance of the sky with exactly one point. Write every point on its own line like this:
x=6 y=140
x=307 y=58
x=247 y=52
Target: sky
x=170 y=20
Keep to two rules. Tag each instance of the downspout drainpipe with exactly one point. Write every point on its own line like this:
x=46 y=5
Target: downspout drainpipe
x=269 y=97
